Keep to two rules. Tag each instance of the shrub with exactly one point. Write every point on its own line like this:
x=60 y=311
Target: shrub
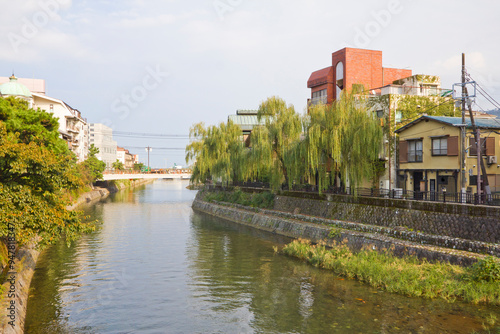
x=487 y=269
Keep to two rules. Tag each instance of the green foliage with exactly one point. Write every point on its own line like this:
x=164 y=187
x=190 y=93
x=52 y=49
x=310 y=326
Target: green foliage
x=409 y=276
x=412 y=107
x=263 y=200
x=343 y=138
x=219 y=152
x=274 y=144
x=36 y=167
x=334 y=232
x=487 y=269
x=92 y=168
x=138 y=166
x=118 y=165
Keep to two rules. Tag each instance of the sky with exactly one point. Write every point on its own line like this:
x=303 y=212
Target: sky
x=159 y=66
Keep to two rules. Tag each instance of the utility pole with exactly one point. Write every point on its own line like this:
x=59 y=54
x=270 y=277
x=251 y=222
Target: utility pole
x=149 y=149
x=481 y=168
x=463 y=154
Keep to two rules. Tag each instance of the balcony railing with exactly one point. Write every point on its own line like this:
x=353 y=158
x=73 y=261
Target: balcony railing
x=411 y=90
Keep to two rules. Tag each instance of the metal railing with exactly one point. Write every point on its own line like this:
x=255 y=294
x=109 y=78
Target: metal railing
x=397 y=193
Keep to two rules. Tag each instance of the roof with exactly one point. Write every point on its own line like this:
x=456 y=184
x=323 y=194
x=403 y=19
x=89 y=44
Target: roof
x=246 y=122
x=14 y=88
x=246 y=112
x=320 y=77
x=483 y=123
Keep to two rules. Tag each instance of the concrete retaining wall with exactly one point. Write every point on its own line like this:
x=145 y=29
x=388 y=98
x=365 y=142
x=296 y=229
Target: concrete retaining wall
x=266 y=220
x=476 y=223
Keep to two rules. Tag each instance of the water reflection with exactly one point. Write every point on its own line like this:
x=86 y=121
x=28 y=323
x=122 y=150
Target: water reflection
x=157 y=267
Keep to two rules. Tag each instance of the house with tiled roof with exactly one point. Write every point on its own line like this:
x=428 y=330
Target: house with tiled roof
x=430 y=152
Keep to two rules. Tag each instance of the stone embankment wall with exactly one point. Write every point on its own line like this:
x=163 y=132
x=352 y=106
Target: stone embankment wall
x=475 y=223
x=313 y=225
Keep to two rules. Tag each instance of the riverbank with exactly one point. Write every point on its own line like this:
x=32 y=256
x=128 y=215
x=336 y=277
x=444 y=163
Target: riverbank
x=355 y=235
x=25 y=262
x=433 y=274
x=408 y=276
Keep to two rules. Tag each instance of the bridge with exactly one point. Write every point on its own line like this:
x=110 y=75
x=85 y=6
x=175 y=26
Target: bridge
x=111 y=176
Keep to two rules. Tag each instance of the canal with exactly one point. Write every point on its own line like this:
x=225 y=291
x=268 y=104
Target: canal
x=155 y=266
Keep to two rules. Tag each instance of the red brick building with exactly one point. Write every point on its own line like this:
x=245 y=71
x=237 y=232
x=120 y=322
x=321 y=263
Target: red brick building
x=352 y=67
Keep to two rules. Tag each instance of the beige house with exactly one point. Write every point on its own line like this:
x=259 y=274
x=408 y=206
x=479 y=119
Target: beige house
x=430 y=149
x=125 y=157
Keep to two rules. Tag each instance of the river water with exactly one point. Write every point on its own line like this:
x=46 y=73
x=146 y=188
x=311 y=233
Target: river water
x=155 y=266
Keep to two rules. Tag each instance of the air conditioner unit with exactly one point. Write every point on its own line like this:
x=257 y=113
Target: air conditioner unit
x=492 y=160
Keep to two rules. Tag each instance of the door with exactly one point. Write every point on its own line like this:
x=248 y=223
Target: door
x=417 y=178
x=432 y=189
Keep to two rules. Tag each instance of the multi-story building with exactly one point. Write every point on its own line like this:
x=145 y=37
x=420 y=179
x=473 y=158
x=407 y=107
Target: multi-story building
x=101 y=137
x=429 y=154
x=395 y=95
x=351 y=67
x=125 y=157
x=72 y=126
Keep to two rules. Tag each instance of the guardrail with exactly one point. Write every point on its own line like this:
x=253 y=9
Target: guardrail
x=430 y=196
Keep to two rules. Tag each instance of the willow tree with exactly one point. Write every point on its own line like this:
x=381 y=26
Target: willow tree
x=343 y=138
x=218 y=152
x=273 y=143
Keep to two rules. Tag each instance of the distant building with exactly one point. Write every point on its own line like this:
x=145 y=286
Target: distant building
x=34 y=85
x=124 y=156
x=102 y=138
x=72 y=126
x=246 y=120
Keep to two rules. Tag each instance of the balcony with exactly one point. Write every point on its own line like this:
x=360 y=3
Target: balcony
x=424 y=90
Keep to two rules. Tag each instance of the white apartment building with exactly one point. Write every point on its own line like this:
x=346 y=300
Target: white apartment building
x=72 y=126
x=102 y=138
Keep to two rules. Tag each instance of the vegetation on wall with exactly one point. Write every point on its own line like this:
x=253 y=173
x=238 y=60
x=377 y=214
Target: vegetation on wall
x=36 y=169
x=263 y=200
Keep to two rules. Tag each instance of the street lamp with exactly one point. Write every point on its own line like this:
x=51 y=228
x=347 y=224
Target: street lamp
x=149 y=149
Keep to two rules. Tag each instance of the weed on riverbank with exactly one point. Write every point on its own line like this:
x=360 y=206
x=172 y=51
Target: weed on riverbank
x=263 y=200
x=409 y=275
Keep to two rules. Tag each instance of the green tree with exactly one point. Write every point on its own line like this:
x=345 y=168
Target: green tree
x=218 y=152
x=274 y=144
x=118 y=165
x=36 y=166
x=343 y=138
x=138 y=166
x=92 y=168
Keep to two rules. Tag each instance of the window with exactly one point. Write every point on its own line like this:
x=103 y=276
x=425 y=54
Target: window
x=399 y=116
x=415 y=151
x=440 y=146
x=319 y=93
x=487 y=146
